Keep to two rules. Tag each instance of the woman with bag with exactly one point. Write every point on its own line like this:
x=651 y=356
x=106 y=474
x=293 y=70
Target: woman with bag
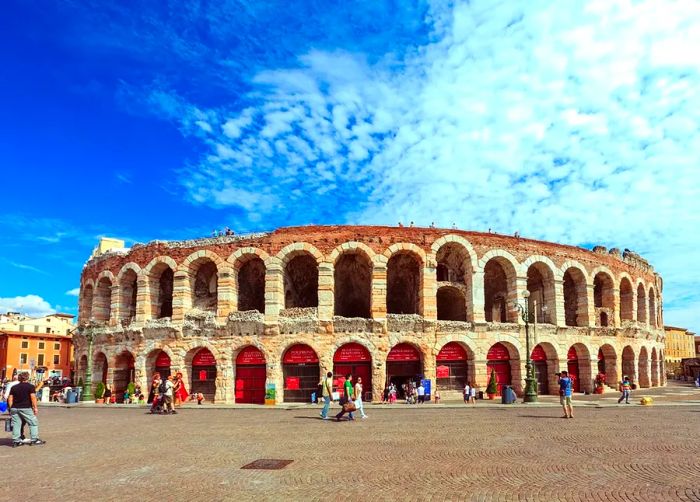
x=346 y=402
x=358 y=397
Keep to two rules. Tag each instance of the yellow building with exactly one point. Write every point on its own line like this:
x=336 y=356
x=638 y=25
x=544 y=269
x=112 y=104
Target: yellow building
x=680 y=344
x=60 y=324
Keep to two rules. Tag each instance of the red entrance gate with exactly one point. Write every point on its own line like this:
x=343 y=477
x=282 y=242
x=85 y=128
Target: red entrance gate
x=301 y=373
x=539 y=359
x=204 y=374
x=572 y=368
x=498 y=359
x=355 y=359
x=250 y=376
x=162 y=365
x=451 y=367
x=403 y=365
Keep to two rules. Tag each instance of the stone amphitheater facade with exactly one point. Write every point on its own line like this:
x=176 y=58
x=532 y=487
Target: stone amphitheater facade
x=385 y=302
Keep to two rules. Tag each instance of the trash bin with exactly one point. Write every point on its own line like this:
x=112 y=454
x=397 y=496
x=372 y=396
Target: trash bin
x=71 y=397
x=481 y=394
x=507 y=395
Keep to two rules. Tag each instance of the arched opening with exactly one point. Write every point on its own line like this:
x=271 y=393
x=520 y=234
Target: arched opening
x=575 y=298
x=161 y=285
x=539 y=360
x=654 y=368
x=82 y=370
x=102 y=307
x=643 y=364
x=251 y=375
x=573 y=368
x=607 y=364
x=499 y=291
x=353 y=358
x=540 y=284
x=453 y=264
x=451 y=367
x=301 y=373
x=603 y=298
x=301 y=282
x=641 y=304
x=159 y=362
x=652 y=308
x=123 y=374
x=628 y=366
x=99 y=368
x=86 y=304
x=251 y=285
x=128 y=292
x=451 y=304
x=403 y=284
x=626 y=300
x=404 y=367
x=204 y=284
x=498 y=360
x=353 y=286
x=204 y=374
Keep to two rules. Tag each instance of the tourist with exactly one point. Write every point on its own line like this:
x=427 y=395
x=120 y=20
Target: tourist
x=625 y=389
x=326 y=393
x=154 y=395
x=467 y=393
x=392 y=393
x=108 y=394
x=385 y=397
x=23 y=407
x=472 y=393
x=437 y=396
x=421 y=393
x=200 y=397
x=6 y=396
x=180 y=391
x=565 y=385
x=347 y=406
x=358 y=397
x=168 y=396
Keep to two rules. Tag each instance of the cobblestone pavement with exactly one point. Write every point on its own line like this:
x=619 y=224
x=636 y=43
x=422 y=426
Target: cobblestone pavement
x=419 y=452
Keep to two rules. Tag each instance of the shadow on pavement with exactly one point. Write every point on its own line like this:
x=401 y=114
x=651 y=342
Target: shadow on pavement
x=538 y=416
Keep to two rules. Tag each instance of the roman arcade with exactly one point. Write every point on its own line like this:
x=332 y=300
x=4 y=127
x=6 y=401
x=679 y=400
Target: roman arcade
x=250 y=312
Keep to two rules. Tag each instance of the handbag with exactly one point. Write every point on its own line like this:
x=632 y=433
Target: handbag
x=349 y=407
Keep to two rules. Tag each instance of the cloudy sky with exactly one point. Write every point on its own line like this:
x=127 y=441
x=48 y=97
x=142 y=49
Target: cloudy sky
x=574 y=122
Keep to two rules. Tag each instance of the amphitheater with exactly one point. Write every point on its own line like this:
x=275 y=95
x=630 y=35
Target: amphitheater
x=237 y=314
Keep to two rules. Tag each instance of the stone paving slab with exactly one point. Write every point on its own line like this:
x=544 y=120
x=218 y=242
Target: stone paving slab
x=405 y=453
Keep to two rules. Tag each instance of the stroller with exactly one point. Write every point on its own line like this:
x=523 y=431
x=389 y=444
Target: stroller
x=157 y=407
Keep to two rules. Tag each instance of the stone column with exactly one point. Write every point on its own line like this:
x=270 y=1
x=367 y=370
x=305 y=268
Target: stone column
x=379 y=291
x=477 y=297
x=143 y=299
x=114 y=305
x=274 y=291
x=592 y=321
x=325 y=291
x=617 y=306
x=378 y=378
x=225 y=293
x=429 y=293
x=182 y=300
x=516 y=297
x=558 y=314
x=224 y=380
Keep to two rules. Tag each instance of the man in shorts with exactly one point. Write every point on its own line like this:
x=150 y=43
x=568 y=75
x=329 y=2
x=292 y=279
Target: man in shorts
x=565 y=391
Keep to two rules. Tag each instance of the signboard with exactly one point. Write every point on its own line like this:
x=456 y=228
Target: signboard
x=403 y=352
x=452 y=352
x=270 y=394
x=498 y=353
x=538 y=354
x=351 y=353
x=250 y=356
x=163 y=360
x=572 y=355
x=204 y=358
x=443 y=371
x=426 y=386
x=202 y=375
x=292 y=383
x=300 y=354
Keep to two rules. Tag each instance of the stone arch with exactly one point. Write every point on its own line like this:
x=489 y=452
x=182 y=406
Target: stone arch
x=255 y=342
x=575 y=288
x=405 y=247
x=194 y=258
x=547 y=367
x=300 y=279
x=643 y=368
x=351 y=246
x=404 y=371
x=249 y=270
x=204 y=378
x=86 y=298
x=123 y=373
x=580 y=367
x=167 y=260
x=454 y=262
x=352 y=281
x=160 y=274
x=299 y=378
x=102 y=300
x=506 y=374
x=127 y=282
x=652 y=308
x=451 y=304
x=100 y=367
x=500 y=283
x=607 y=364
x=290 y=251
x=203 y=280
x=629 y=368
x=404 y=279
x=603 y=296
x=541 y=274
x=456 y=239
x=641 y=303
x=457 y=371
x=626 y=299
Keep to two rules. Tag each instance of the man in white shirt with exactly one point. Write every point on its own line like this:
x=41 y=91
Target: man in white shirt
x=9 y=386
x=169 y=385
x=421 y=393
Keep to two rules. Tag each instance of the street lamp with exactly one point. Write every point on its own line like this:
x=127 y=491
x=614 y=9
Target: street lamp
x=530 y=381
x=87 y=394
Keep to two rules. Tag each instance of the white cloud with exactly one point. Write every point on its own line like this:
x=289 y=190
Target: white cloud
x=31 y=305
x=570 y=122
x=73 y=292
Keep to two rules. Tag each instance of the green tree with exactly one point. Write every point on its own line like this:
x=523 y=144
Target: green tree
x=100 y=390
x=492 y=387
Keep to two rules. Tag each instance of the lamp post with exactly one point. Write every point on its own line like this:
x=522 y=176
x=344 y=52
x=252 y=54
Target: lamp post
x=87 y=394
x=530 y=381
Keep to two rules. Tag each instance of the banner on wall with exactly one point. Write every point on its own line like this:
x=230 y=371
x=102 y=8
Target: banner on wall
x=270 y=394
x=443 y=371
x=292 y=383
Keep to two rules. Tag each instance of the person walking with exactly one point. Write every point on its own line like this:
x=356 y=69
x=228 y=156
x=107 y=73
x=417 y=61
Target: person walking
x=154 y=395
x=421 y=393
x=467 y=393
x=22 y=405
x=625 y=389
x=565 y=391
x=108 y=394
x=347 y=399
x=472 y=393
x=179 y=390
x=327 y=394
x=168 y=397
x=358 y=398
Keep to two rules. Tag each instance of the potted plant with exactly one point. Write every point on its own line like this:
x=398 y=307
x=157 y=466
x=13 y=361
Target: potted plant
x=131 y=390
x=99 y=393
x=492 y=387
x=599 y=383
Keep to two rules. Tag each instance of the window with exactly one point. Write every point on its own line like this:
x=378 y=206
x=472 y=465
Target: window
x=21 y=327
x=23 y=359
x=41 y=345
x=57 y=346
x=36 y=329
x=48 y=330
x=25 y=343
x=56 y=359
x=40 y=361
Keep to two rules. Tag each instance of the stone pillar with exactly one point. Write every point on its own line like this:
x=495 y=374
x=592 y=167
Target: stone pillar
x=225 y=293
x=182 y=300
x=224 y=380
x=617 y=306
x=429 y=366
x=141 y=374
x=378 y=377
x=378 y=309
x=325 y=291
x=114 y=306
x=429 y=293
x=274 y=292
x=558 y=314
x=143 y=299
x=634 y=304
x=516 y=297
x=477 y=297
x=553 y=367
x=592 y=321
x=481 y=375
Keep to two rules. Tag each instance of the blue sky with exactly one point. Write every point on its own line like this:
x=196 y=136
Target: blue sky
x=575 y=122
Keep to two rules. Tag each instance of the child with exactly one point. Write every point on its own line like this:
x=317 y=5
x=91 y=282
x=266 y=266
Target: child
x=200 y=397
x=437 y=396
x=142 y=399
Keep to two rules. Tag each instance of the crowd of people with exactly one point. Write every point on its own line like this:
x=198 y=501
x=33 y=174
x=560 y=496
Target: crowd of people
x=167 y=393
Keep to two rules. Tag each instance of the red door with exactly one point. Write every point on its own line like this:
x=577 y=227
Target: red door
x=572 y=368
x=355 y=359
x=251 y=375
x=498 y=359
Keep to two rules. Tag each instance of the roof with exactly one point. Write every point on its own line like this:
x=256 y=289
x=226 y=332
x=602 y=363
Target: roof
x=34 y=335
x=60 y=314
x=679 y=329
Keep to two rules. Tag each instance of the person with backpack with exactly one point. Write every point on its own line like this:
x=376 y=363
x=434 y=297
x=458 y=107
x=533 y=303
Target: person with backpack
x=346 y=402
x=167 y=391
x=326 y=393
x=157 y=396
x=565 y=393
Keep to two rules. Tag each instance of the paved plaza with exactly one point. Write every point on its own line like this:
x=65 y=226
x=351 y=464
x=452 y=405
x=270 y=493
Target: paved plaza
x=487 y=452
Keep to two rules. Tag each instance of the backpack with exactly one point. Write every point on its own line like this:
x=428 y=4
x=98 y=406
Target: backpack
x=163 y=387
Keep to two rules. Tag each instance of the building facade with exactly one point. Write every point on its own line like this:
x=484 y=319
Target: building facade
x=680 y=344
x=43 y=355
x=58 y=323
x=237 y=314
